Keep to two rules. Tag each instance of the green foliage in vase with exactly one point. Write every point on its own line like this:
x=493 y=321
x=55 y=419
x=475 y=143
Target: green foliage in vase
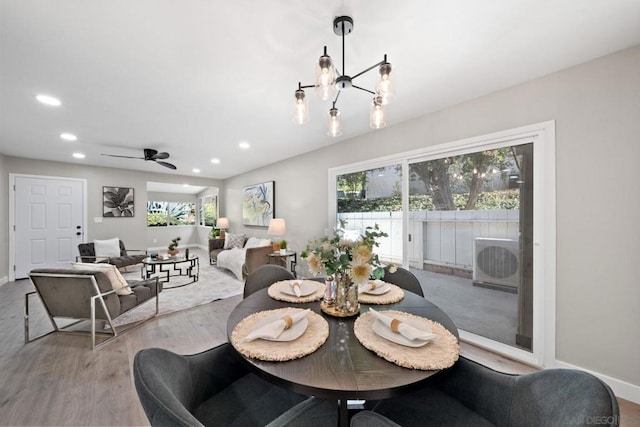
x=336 y=255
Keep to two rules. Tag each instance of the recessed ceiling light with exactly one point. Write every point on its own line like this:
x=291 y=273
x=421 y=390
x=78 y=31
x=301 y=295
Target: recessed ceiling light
x=185 y=185
x=215 y=160
x=244 y=145
x=68 y=137
x=78 y=155
x=49 y=100
x=195 y=170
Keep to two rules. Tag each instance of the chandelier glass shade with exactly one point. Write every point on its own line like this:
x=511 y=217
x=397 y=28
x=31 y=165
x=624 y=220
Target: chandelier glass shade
x=329 y=83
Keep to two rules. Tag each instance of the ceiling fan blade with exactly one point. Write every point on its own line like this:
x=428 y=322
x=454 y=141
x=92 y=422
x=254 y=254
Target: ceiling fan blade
x=160 y=156
x=149 y=153
x=122 y=157
x=167 y=165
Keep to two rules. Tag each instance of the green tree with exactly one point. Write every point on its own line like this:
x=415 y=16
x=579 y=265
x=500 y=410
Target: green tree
x=467 y=172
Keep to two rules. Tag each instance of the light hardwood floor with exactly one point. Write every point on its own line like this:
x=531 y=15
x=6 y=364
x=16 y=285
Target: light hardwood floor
x=58 y=380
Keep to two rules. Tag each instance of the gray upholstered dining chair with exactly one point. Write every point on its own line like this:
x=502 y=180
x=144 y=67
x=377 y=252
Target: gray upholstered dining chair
x=214 y=388
x=264 y=276
x=470 y=394
x=404 y=279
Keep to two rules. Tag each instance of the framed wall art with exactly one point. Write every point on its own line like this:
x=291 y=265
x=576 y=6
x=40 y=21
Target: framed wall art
x=258 y=204
x=117 y=202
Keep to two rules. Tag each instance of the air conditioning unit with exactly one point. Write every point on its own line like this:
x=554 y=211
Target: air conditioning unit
x=496 y=264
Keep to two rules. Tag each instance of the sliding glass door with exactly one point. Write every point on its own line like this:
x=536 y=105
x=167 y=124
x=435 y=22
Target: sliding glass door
x=470 y=228
x=474 y=220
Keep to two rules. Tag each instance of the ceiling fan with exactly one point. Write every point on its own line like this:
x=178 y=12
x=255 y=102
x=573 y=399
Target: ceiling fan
x=150 y=155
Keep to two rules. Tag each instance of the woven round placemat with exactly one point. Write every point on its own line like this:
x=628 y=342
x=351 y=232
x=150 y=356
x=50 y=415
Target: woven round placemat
x=437 y=354
x=278 y=351
x=395 y=294
x=275 y=292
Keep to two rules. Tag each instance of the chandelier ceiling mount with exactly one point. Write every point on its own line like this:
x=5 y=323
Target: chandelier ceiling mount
x=329 y=81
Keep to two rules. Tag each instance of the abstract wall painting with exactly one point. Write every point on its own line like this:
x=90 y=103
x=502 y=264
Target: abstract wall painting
x=258 y=206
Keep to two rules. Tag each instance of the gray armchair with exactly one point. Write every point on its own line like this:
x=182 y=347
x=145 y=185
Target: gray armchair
x=265 y=276
x=470 y=394
x=127 y=257
x=214 y=388
x=86 y=295
x=404 y=279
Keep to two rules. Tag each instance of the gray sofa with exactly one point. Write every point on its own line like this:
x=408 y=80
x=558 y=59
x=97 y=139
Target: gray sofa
x=86 y=295
x=127 y=257
x=253 y=257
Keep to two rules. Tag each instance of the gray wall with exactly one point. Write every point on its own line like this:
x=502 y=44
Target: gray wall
x=4 y=220
x=133 y=231
x=597 y=111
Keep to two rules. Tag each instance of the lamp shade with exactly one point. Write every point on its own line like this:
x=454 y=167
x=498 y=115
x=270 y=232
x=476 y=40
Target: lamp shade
x=300 y=108
x=385 y=87
x=222 y=223
x=334 y=126
x=377 y=118
x=277 y=227
x=325 y=77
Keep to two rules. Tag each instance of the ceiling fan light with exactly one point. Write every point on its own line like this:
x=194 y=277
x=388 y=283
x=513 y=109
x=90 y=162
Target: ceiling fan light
x=325 y=77
x=377 y=113
x=300 y=108
x=335 y=127
x=385 y=87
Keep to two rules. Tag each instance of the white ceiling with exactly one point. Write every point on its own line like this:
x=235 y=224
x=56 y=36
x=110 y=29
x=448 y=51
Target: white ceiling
x=195 y=78
x=164 y=187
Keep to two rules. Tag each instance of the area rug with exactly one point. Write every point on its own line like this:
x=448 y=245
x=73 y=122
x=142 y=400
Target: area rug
x=212 y=285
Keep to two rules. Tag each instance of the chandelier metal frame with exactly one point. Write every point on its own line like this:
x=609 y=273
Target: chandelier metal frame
x=327 y=82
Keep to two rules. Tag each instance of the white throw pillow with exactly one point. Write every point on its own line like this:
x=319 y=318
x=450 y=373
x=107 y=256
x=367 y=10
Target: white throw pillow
x=233 y=241
x=253 y=242
x=107 y=248
x=118 y=283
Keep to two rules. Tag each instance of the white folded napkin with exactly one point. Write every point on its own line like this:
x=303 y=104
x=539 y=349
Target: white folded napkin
x=295 y=285
x=370 y=285
x=403 y=328
x=273 y=329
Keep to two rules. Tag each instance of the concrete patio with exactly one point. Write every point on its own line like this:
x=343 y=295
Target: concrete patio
x=487 y=312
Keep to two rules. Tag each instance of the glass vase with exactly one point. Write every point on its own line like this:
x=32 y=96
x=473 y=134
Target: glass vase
x=329 y=290
x=346 y=295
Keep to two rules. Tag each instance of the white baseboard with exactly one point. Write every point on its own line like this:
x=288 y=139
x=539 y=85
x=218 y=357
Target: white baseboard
x=622 y=389
x=3 y=280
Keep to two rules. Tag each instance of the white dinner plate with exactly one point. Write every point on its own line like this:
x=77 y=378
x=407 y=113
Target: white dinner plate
x=294 y=332
x=379 y=290
x=306 y=288
x=385 y=332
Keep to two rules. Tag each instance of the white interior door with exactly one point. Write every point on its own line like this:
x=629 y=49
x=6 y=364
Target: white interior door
x=48 y=222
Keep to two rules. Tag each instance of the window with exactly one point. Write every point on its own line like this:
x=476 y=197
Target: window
x=208 y=210
x=477 y=214
x=163 y=214
x=369 y=197
x=470 y=220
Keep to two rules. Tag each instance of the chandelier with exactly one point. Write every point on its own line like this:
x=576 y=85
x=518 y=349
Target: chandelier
x=330 y=82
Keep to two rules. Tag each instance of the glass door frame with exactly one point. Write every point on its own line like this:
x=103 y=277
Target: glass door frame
x=542 y=135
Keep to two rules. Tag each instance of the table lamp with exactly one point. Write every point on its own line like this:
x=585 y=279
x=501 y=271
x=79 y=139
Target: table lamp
x=222 y=224
x=277 y=228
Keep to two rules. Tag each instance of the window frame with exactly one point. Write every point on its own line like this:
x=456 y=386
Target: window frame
x=542 y=135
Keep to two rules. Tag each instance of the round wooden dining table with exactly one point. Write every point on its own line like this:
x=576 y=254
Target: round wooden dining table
x=341 y=369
